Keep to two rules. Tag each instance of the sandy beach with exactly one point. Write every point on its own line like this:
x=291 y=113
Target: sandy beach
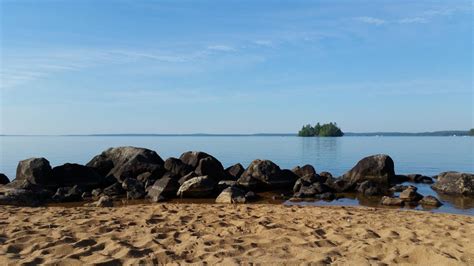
x=233 y=234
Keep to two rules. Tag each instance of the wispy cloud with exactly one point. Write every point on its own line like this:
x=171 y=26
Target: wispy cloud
x=221 y=48
x=371 y=20
x=412 y=20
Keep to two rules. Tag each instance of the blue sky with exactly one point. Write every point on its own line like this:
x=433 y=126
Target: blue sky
x=235 y=67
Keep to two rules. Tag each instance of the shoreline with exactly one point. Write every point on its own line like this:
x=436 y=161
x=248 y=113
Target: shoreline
x=233 y=234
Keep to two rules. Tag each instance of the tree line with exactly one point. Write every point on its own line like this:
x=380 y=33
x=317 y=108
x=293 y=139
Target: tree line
x=325 y=130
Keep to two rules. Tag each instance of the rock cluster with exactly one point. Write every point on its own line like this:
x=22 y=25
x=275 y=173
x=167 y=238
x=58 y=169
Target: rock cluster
x=139 y=173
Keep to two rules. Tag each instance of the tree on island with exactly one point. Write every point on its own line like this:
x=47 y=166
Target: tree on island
x=471 y=132
x=325 y=130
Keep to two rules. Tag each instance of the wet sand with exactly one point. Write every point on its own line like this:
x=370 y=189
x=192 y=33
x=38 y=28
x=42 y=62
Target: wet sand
x=232 y=234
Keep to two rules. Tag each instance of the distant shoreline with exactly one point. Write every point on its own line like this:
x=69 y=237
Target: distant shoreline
x=447 y=133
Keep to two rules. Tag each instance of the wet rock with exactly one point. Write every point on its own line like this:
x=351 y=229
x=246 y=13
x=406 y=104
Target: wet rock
x=163 y=188
x=410 y=195
x=134 y=188
x=304 y=170
x=378 y=169
x=455 y=183
x=201 y=186
x=327 y=196
x=35 y=171
x=312 y=190
x=398 y=188
x=430 y=201
x=234 y=172
x=104 y=201
x=264 y=175
x=114 y=190
x=338 y=185
x=71 y=174
x=368 y=188
x=232 y=195
x=211 y=167
x=177 y=167
x=391 y=201
x=4 y=179
x=417 y=178
x=127 y=162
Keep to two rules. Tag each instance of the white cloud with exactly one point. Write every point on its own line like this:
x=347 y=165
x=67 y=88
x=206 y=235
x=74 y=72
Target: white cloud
x=371 y=20
x=412 y=20
x=221 y=48
x=263 y=42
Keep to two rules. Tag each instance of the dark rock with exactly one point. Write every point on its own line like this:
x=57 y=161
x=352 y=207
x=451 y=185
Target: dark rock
x=211 y=167
x=71 y=174
x=134 y=188
x=325 y=175
x=68 y=194
x=328 y=196
x=430 y=201
x=86 y=195
x=250 y=196
x=235 y=171
x=223 y=184
x=410 y=195
x=186 y=178
x=23 y=193
x=4 y=179
x=391 y=201
x=417 y=178
x=398 y=188
x=264 y=174
x=304 y=170
x=177 y=167
x=397 y=179
x=192 y=158
x=127 y=162
x=104 y=201
x=96 y=192
x=36 y=171
x=376 y=168
x=338 y=185
x=455 y=183
x=201 y=186
x=232 y=195
x=306 y=180
x=114 y=190
x=368 y=188
x=312 y=190
x=163 y=188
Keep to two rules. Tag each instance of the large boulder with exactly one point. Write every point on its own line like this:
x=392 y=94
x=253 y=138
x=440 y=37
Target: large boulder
x=234 y=172
x=304 y=170
x=23 y=193
x=455 y=183
x=71 y=174
x=192 y=158
x=378 y=169
x=114 y=190
x=211 y=167
x=231 y=195
x=35 y=171
x=264 y=175
x=163 y=188
x=200 y=186
x=4 y=179
x=127 y=162
x=134 y=188
x=177 y=167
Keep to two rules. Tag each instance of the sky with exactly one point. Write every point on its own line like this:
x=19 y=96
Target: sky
x=87 y=67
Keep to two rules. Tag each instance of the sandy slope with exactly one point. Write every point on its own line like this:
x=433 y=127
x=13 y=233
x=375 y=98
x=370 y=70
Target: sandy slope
x=187 y=233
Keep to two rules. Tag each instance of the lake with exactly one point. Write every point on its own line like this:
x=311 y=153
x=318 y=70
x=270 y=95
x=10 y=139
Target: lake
x=424 y=155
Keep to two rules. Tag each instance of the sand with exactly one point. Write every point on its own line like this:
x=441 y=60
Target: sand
x=233 y=234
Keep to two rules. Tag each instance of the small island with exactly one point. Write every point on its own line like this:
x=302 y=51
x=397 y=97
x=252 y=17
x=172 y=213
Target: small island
x=325 y=130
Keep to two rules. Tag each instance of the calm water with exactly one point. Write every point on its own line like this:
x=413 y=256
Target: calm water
x=425 y=155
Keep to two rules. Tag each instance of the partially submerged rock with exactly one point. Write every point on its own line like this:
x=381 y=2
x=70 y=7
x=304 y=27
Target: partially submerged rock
x=264 y=175
x=378 y=169
x=304 y=170
x=391 y=201
x=410 y=195
x=430 y=201
x=455 y=183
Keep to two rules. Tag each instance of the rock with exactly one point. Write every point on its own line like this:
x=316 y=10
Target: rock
x=250 y=196
x=328 y=196
x=4 y=179
x=211 y=167
x=36 y=171
x=311 y=191
x=71 y=174
x=325 y=175
x=86 y=195
x=23 y=193
x=96 y=192
x=177 y=167
x=192 y=158
x=305 y=170
x=391 y=201
x=398 y=188
x=163 y=188
x=306 y=180
x=417 y=178
x=376 y=168
x=134 y=188
x=264 y=174
x=410 y=195
x=368 y=188
x=201 y=186
x=430 y=201
x=223 y=184
x=186 y=178
x=127 y=162
x=114 y=190
x=338 y=185
x=68 y=194
x=235 y=171
x=104 y=201
x=231 y=195
x=455 y=183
